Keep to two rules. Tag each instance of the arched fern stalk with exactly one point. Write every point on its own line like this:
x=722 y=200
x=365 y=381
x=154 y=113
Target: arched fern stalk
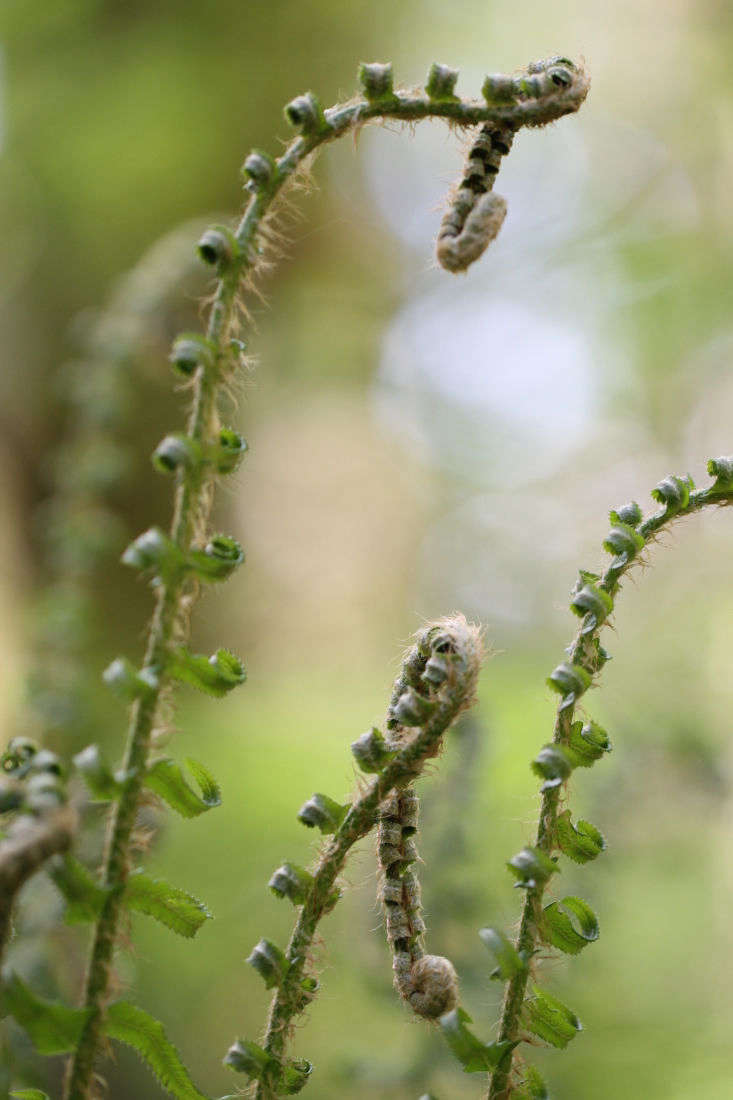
x=568 y=924
x=437 y=682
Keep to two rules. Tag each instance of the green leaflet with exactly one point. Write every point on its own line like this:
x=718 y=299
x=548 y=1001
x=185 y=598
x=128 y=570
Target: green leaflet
x=570 y=925
x=474 y=1056
x=570 y=681
x=722 y=470
x=532 y=868
x=581 y=842
x=674 y=492
x=630 y=514
x=370 y=751
x=323 y=812
x=83 y=895
x=218 y=560
x=52 y=1027
x=624 y=542
x=216 y=675
x=287 y=1079
x=553 y=764
x=269 y=962
x=167 y=779
x=532 y=1087
x=127 y=682
x=587 y=743
x=592 y=604
x=245 y=1056
x=102 y=784
x=294 y=1077
x=549 y=1019
x=129 y=1024
x=291 y=881
x=509 y=960
x=175 y=908
x=29 y=1094
x=154 y=551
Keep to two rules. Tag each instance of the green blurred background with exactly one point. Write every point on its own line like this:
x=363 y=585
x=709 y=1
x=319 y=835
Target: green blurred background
x=419 y=443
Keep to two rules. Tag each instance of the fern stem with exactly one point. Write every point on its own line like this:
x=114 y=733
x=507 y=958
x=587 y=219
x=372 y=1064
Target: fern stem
x=532 y=101
x=29 y=843
x=720 y=493
x=191 y=511
x=405 y=766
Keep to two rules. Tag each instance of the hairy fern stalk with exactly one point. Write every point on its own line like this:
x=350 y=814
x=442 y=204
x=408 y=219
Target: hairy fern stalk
x=437 y=682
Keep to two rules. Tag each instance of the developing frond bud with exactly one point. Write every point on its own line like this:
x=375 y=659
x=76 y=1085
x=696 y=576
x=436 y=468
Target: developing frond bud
x=586 y=744
x=434 y=986
x=229 y=451
x=216 y=675
x=44 y=792
x=269 y=962
x=593 y=602
x=127 y=682
x=624 y=542
x=97 y=775
x=560 y=77
x=548 y=62
x=377 y=81
x=17 y=758
x=412 y=709
x=218 y=560
x=570 y=681
x=305 y=113
x=291 y=882
x=322 y=812
x=370 y=751
x=498 y=88
x=153 y=550
x=552 y=764
x=259 y=168
x=532 y=868
x=190 y=351
x=244 y=1056
x=629 y=513
x=295 y=1076
x=174 y=452
x=46 y=761
x=530 y=86
x=674 y=492
x=436 y=671
x=441 y=82
x=218 y=247
x=722 y=470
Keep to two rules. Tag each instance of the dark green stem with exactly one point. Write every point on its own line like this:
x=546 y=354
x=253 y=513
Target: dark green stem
x=500 y=1084
x=192 y=507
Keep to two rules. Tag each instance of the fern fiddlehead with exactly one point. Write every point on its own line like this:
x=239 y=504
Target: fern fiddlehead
x=180 y=561
x=395 y=765
x=427 y=983
x=187 y=557
x=568 y=925
x=476 y=212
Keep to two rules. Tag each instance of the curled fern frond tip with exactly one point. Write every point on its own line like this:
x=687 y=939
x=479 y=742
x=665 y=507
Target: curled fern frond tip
x=545 y=92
